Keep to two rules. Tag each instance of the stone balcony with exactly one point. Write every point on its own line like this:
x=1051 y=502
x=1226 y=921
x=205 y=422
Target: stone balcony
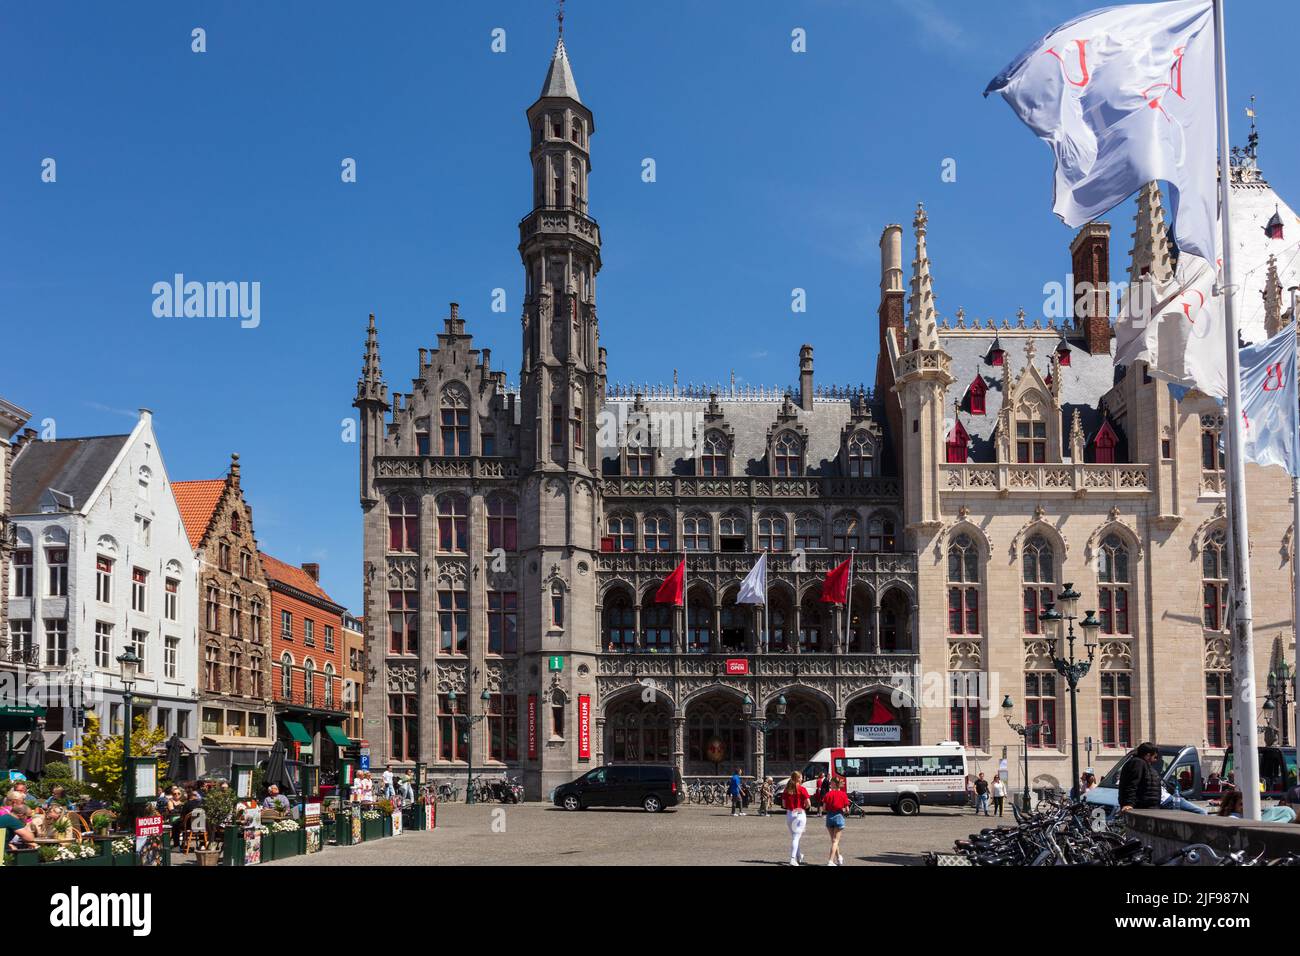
x=1006 y=478
x=438 y=466
x=779 y=564
x=753 y=487
x=559 y=221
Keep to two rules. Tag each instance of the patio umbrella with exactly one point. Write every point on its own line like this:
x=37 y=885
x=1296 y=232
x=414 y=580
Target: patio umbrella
x=33 y=762
x=173 y=755
x=276 y=772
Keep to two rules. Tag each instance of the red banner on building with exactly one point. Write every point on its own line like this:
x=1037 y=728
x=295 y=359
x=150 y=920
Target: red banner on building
x=737 y=665
x=584 y=727
x=532 y=726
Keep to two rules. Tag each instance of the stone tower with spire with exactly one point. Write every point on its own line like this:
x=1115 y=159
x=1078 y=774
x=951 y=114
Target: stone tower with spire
x=921 y=382
x=562 y=384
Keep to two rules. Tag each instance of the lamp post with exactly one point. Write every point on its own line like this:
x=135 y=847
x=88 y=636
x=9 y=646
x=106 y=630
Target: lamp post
x=1279 y=684
x=128 y=668
x=762 y=725
x=1024 y=730
x=1071 y=669
x=469 y=720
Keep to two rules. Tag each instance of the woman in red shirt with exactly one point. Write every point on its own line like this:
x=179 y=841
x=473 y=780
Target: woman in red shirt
x=795 y=800
x=834 y=805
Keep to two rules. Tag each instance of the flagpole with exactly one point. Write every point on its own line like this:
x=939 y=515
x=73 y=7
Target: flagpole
x=767 y=611
x=1295 y=540
x=1245 y=726
x=686 y=608
x=848 y=603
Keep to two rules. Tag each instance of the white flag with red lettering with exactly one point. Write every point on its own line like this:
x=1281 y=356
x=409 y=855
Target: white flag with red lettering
x=1125 y=95
x=1270 y=407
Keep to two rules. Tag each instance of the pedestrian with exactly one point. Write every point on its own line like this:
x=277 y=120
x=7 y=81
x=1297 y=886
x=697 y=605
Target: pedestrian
x=999 y=794
x=1231 y=804
x=388 y=782
x=819 y=792
x=834 y=805
x=765 y=796
x=981 y=795
x=1139 y=782
x=408 y=792
x=737 y=790
x=795 y=800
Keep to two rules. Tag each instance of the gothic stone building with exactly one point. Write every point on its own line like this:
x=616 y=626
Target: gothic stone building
x=515 y=538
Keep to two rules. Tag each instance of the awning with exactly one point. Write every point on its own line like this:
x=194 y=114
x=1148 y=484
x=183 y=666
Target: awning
x=241 y=743
x=297 y=731
x=337 y=735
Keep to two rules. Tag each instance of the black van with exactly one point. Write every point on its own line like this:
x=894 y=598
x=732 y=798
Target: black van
x=652 y=786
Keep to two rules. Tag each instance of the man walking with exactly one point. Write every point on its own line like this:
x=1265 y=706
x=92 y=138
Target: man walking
x=388 y=782
x=981 y=795
x=737 y=791
x=1139 y=782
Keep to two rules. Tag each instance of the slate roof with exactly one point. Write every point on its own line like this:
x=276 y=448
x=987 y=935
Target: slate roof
x=1083 y=382
x=295 y=577
x=559 y=77
x=196 y=501
x=72 y=466
x=750 y=421
x=1253 y=204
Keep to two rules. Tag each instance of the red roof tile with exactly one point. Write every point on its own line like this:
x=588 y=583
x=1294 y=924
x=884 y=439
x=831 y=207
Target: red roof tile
x=196 y=501
x=294 y=577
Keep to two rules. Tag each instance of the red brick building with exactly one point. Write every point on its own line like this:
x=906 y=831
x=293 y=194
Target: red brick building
x=308 y=659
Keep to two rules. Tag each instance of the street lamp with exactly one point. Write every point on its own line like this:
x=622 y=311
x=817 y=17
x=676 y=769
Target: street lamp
x=762 y=725
x=1024 y=730
x=128 y=669
x=469 y=720
x=1071 y=669
x=1279 y=683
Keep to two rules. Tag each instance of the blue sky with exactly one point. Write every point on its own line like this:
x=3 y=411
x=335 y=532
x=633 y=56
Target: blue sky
x=775 y=170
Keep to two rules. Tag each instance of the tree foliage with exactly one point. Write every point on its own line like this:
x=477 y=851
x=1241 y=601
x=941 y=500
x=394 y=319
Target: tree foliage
x=100 y=756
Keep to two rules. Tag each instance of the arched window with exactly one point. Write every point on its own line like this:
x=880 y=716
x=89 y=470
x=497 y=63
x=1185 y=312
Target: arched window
x=808 y=532
x=1113 y=581
x=963 y=586
x=453 y=524
x=771 y=532
x=143 y=478
x=792 y=737
x=715 y=732
x=1214 y=581
x=622 y=533
x=976 y=394
x=503 y=523
x=455 y=420
x=733 y=532
x=862 y=455
x=812 y=624
x=845 y=533
x=286 y=677
x=697 y=533
x=881 y=535
x=1213 y=457
x=620 y=624
x=309 y=681
x=1039 y=576
x=657 y=624
x=787 y=456
x=557 y=606
x=329 y=686
x=256 y=687
x=234 y=522
x=657 y=533
x=714 y=455
x=699 y=624
x=403 y=523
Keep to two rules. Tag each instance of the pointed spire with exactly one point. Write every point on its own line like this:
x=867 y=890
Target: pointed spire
x=1272 y=300
x=921 y=327
x=1151 y=252
x=559 y=77
x=370 y=386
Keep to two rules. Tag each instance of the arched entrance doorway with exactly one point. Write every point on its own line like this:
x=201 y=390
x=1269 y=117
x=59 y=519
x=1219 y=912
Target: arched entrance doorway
x=876 y=720
x=715 y=735
x=796 y=737
x=638 y=732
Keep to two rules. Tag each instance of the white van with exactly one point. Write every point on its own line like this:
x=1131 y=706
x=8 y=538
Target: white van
x=901 y=778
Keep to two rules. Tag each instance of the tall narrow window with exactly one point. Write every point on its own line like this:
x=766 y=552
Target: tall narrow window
x=577 y=427
x=963 y=586
x=1113 y=580
x=404 y=727
x=845 y=535
x=1218 y=708
x=862 y=455
x=713 y=455
x=453 y=619
x=882 y=537
x=403 y=621
x=104 y=580
x=453 y=524
x=1214 y=581
x=21 y=573
x=455 y=421
x=503 y=523
x=1040 y=706
x=451 y=743
x=1116 y=709
x=56 y=642
x=696 y=534
x=212 y=669
x=103 y=645
x=139 y=590
x=640 y=461
x=56 y=560
x=1031 y=442
x=771 y=533
x=1212 y=455
x=403 y=523
x=503 y=727
x=557 y=605
x=964 y=707
x=657 y=533
x=503 y=624
x=286 y=677
x=557 y=424
x=1038 y=579
x=212 y=609
x=171 y=599
x=236 y=615
x=808 y=532
x=622 y=533
x=787 y=456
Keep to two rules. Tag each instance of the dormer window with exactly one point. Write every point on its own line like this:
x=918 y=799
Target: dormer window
x=976 y=392
x=1104 y=444
x=862 y=452
x=640 y=461
x=713 y=455
x=787 y=456
x=957 y=444
x=1031 y=442
x=997 y=355
x=1063 y=353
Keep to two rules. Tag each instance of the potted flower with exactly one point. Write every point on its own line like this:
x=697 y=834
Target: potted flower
x=285 y=839
x=101 y=821
x=62 y=829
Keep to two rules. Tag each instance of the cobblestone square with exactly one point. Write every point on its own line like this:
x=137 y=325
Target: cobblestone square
x=534 y=833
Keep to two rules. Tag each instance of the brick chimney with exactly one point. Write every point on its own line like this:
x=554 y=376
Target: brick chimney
x=234 y=469
x=1090 y=264
x=313 y=570
x=891 y=286
x=806 y=377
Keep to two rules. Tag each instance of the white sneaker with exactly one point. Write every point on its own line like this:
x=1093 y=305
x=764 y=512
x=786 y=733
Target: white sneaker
x=800 y=857
x=741 y=813
x=839 y=859
x=793 y=861
x=830 y=863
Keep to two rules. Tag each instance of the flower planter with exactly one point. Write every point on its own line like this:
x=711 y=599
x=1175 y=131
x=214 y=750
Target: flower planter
x=374 y=829
x=388 y=826
x=282 y=844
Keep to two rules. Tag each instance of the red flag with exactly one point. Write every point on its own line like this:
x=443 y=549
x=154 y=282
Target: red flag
x=835 y=588
x=880 y=714
x=670 y=592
